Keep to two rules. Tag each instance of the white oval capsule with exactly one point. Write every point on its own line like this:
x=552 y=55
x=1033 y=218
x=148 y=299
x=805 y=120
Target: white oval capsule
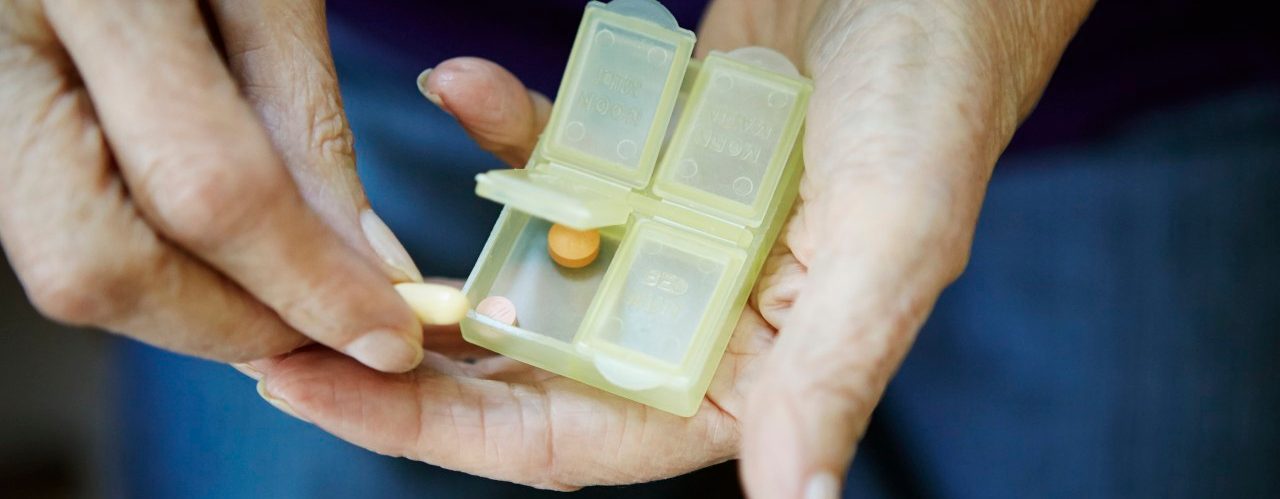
x=434 y=304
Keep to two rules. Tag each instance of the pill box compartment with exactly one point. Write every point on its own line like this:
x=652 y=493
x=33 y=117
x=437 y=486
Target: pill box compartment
x=550 y=300
x=666 y=287
x=635 y=319
x=619 y=89
x=730 y=147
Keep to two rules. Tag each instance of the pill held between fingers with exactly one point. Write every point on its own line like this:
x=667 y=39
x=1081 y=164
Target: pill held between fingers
x=499 y=308
x=434 y=304
x=573 y=248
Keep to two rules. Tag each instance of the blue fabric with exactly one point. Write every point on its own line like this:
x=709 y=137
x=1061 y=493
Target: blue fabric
x=1114 y=335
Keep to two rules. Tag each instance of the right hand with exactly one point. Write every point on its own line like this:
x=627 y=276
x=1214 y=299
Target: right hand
x=207 y=207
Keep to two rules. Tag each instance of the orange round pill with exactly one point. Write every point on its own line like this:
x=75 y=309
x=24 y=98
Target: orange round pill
x=573 y=248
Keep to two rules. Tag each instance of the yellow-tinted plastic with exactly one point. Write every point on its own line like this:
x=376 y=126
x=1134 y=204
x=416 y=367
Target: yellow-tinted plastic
x=547 y=195
x=650 y=317
x=733 y=140
x=623 y=77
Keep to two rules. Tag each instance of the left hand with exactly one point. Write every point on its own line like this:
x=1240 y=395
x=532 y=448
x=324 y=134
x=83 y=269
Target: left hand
x=913 y=103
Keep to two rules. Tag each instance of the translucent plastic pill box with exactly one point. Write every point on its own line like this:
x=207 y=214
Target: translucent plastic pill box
x=688 y=170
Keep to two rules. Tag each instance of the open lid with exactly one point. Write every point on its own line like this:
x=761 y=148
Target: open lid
x=618 y=91
x=555 y=196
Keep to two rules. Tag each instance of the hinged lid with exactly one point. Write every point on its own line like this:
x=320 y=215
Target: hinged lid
x=550 y=195
x=618 y=91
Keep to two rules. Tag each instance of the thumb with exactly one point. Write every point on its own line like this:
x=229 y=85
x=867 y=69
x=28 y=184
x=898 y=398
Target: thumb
x=490 y=103
x=869 y=288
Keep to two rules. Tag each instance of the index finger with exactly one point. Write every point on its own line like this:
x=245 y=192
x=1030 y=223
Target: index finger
x=202 y=170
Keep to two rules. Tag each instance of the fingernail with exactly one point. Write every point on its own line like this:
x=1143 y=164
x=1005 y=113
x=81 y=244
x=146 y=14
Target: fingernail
x=247 y=370
x=434 y=304
x=387 y=247
x=426 y=92
x=822 y=485
x=385 y=350
x=277 y=403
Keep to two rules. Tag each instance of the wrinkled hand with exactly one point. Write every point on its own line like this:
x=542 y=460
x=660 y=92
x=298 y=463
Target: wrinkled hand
x=913 y=103
x=201 y=204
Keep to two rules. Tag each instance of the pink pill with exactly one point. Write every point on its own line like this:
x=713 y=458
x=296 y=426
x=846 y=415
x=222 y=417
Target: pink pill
x=499 y=308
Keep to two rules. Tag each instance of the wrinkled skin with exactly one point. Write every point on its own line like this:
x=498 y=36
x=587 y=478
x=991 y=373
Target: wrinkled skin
x=212 y=209
x=913 y=103
x=904 y=127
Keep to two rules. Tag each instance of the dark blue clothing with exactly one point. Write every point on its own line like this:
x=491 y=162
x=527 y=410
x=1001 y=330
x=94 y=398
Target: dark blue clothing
x=1114 y=336
x=1116 y=332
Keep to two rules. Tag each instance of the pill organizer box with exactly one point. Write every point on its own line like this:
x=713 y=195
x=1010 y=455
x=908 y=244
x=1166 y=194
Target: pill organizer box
x=687 y=169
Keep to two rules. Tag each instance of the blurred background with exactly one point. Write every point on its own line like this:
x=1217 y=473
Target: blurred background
x=1115 y=334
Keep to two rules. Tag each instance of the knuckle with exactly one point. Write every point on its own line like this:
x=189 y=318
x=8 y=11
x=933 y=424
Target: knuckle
x=79 y=290
x=203 y=206
x=330 y=134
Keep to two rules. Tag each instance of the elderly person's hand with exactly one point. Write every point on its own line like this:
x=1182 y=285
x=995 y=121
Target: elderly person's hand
x=914 y=101
x=186 y=178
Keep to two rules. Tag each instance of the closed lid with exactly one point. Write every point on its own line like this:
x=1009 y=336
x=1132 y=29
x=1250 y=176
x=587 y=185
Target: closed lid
x=618 y=91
